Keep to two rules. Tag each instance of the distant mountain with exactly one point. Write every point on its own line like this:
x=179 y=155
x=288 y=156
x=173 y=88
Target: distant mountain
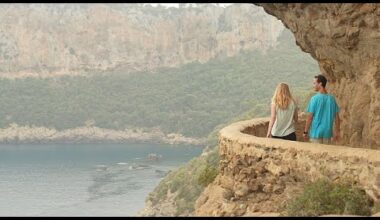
x=190 y=100
x=54 y=39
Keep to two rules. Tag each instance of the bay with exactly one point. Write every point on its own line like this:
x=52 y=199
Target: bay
x=84 y=179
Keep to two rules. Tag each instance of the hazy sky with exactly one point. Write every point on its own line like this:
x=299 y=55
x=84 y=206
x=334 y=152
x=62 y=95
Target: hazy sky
x=177 y=4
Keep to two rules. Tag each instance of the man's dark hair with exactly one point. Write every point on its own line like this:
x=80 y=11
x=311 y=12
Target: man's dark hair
x=321 y=79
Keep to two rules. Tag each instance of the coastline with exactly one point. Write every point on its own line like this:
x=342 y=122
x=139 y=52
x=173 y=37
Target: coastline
x=15 y=134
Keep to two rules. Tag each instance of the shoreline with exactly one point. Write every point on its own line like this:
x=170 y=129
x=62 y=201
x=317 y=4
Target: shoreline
x=15 y=134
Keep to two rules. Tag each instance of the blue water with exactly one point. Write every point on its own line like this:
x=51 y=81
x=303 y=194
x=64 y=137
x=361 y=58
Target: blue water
x=83 y=179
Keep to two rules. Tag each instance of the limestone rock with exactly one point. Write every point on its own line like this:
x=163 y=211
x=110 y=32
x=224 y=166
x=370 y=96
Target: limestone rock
x=274 y=169
x=344 y=39
x=56 y=39
x=241 y=190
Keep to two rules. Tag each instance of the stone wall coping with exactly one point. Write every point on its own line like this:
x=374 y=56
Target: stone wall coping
x=234 y=133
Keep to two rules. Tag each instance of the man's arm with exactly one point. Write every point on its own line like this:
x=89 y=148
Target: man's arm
x=307 y=125
x=311 y=109
x=337 y=127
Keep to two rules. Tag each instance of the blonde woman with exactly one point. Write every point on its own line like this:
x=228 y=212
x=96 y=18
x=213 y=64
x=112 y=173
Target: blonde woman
x=284 y=114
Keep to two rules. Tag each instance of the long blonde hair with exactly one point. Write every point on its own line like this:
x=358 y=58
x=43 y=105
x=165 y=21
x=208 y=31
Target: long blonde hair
x=282 y=96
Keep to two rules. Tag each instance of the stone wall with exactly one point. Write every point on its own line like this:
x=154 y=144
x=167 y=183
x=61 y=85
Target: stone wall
x=258 y=175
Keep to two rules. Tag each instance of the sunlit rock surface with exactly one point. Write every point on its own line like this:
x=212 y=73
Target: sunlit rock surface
x=55 y=39
x=345 y=40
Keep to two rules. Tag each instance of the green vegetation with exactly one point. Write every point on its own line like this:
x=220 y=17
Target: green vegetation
x=184 y=183
x=376 y=207
x=191 y=100
x=325 y=197
x=207 y=175
x=196 y=100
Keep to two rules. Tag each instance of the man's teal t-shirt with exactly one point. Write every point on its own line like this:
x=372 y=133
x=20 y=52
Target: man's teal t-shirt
x=324 y=109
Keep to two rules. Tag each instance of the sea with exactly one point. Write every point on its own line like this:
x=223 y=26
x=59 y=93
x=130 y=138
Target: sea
x=84 y=179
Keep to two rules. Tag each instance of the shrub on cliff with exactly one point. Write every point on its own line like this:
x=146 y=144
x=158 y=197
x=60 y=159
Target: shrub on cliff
x=207 y=175
x=376 y=207
x=325 y=197
x=183 y=185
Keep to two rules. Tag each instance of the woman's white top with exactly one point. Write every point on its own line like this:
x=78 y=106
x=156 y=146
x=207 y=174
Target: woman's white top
x=284 y=124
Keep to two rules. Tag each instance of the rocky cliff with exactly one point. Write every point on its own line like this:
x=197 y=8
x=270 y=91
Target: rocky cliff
x=259 y=175
x=55 y=39
x=345 y=40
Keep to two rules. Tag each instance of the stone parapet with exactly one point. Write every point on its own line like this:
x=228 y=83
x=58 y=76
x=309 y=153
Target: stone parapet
x=258 y=174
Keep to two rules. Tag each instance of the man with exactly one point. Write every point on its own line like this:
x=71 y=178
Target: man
x=322 y=112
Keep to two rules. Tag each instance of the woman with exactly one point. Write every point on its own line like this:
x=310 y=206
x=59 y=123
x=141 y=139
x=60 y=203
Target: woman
x=284 y=114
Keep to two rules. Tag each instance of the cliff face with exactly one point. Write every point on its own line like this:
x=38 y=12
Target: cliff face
x=53 y=39
x=345 y=40
x=260 y=175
